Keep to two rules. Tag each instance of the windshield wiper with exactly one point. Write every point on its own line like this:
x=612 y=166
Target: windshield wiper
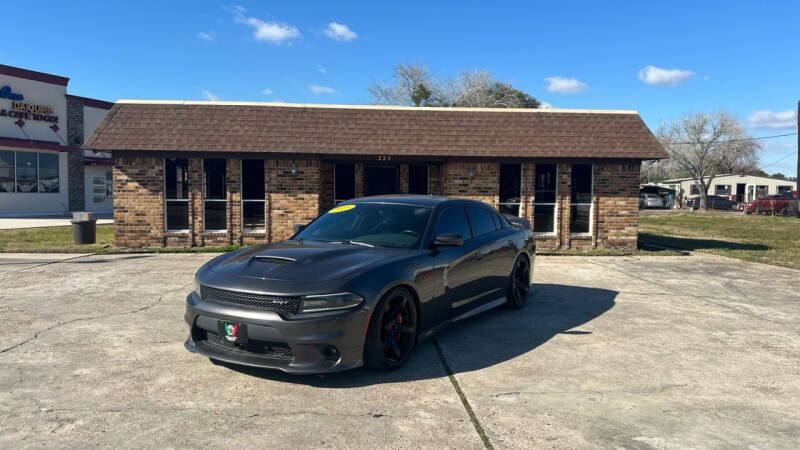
x=349 y=242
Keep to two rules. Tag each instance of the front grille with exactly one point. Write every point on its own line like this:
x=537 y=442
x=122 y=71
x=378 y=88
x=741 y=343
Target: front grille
x=274 y=350
x=265 y=302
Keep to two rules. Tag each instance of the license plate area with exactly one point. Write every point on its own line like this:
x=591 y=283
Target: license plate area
x=234 y=332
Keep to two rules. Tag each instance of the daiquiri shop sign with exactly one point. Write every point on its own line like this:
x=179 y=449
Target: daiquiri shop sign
x=25 y=111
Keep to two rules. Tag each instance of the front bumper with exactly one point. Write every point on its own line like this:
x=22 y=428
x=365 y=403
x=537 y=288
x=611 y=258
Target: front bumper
x=294 y=345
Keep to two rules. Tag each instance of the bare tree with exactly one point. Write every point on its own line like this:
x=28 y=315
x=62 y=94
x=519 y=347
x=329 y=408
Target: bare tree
x=413 y=85
x=704 y=145
x=476 y=88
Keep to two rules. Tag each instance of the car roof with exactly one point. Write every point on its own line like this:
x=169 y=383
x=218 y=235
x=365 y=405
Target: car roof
x=431 y=201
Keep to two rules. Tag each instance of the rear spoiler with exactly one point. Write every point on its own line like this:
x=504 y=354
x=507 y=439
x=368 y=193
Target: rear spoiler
x=518 y=222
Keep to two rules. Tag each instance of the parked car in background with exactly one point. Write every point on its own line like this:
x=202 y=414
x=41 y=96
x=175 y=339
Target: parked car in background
x=714 y=202
x=776 y=204
x=650 y=201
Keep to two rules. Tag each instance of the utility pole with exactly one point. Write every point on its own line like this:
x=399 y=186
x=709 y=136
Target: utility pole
x=798 y=147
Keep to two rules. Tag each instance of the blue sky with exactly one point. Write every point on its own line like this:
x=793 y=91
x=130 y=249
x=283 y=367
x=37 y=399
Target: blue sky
x=703 y=55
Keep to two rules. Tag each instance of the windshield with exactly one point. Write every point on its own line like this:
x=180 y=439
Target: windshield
x=378 y=224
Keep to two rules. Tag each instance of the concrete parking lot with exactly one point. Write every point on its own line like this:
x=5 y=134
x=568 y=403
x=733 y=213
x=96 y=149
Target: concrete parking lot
x=625 y=352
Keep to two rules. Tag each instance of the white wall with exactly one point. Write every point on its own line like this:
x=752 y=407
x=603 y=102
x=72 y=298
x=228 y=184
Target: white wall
x=15 y=203
x=36 y=93
x=90 y=172
x=91 y=118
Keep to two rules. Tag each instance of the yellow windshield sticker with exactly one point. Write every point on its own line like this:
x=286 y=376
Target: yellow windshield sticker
x=342 y=208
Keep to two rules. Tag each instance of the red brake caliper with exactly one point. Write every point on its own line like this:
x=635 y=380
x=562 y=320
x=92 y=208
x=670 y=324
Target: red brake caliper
x=399 y=321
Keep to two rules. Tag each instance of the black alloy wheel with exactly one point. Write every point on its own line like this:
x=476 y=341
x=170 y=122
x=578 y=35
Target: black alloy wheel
x=519 y=284
x=392 y=331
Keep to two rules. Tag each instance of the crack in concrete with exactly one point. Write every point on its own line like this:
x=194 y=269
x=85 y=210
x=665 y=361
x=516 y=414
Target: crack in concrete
x=652 y=390
x=79 y=319
x=5 y=274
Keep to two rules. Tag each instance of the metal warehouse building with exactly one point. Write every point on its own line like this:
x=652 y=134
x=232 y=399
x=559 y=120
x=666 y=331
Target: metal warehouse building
x=212 y=173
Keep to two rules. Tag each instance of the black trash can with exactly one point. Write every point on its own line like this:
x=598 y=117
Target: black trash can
x=84 y=230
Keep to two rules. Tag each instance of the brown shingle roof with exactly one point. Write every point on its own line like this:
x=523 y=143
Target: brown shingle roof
x=354 y=130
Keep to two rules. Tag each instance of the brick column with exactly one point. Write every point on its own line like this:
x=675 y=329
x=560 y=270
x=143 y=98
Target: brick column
x=292 y=199
x=195 y=177
x=528 y=184
x=359 y=170
x=233 y=184
x=403 y=171
x=484 y=185
x=617 y=190
x=326 y=174
x=138 y=202
x=564 y=177
x=75 y=167
x=435 y=179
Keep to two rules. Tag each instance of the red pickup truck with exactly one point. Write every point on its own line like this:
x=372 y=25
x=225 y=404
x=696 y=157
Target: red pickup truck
x=780 y=204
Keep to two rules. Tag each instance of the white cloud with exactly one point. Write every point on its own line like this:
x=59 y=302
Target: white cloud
x=322 y=70
x=272 y=32
x=321 y=89
x=207 y=35
x=564 y=85
x=545 y=105
x=267 y=91
x=208 y=95
x=340 y=32
x=657 y=76
x=765 y=118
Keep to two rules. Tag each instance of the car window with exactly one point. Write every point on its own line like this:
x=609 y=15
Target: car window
x=379 y=224
x=453 y=220
x=481 y=220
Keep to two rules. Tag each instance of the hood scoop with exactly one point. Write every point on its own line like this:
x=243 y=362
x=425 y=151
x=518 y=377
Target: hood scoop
x=274 y=259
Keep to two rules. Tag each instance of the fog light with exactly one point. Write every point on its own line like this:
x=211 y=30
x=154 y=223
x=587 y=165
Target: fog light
x=330 y=352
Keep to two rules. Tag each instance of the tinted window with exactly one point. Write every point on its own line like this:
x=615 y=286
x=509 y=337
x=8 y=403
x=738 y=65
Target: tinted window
x=214 y=170
x=344 y=181
x=383 y=225
x=176 y=180
x=253 y=179
x=48 y=172
x=453 y=220
x=6 y=171
x=27 y=172
x=481 y=220
x=418 y=179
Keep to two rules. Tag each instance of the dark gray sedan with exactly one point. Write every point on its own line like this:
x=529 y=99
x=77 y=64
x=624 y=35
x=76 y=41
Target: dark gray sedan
x=360 y=285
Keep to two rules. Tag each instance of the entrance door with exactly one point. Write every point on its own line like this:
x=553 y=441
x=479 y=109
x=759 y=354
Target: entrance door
x=740 y=192
x=381 y=180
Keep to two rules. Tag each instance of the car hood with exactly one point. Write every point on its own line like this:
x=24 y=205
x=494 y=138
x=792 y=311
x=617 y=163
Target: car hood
x=301 y=261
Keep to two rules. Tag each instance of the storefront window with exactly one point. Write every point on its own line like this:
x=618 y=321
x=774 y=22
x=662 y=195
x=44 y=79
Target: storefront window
x=48 y=172
x=510 y=188
x=215 y=207
x=176 y=193
x=27 y=172
x=581 y=201
x=544 y=208
x=6 y=171
x=253 y=195
x=418 y=179
x=344 y=182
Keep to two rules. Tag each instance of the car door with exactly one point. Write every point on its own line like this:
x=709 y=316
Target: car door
x=495 y=253
x=457 y=266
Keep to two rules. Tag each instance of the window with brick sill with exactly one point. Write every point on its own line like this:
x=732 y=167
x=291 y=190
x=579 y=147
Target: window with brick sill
x=253 y=196
x=581 y=200
x=215 y=205
x=176 y=194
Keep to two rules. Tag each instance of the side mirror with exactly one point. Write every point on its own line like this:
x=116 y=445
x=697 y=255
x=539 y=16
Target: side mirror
x=298 y=227
x=448 y=240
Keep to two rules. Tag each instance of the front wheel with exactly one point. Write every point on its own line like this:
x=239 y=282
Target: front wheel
x=392 y=331
x=519 y=284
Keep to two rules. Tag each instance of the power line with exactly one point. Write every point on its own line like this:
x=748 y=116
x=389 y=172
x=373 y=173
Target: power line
x=738 y=140
x=792 y=153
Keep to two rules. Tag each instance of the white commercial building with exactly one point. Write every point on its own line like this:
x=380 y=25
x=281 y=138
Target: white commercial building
x=43 y=170
x=735 y=187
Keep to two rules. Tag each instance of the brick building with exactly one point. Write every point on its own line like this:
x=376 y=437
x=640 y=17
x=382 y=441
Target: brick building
x=211 y=173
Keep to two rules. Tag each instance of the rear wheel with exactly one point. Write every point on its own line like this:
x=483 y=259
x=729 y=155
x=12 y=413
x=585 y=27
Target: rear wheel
x=519 y=284
x=392 y=331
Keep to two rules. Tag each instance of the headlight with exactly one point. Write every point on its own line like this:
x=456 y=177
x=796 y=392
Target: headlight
x=330 y=302
x=197 y=287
